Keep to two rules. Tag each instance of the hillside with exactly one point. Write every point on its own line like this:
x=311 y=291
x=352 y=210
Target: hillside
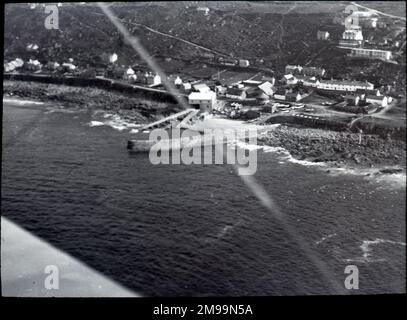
x=278 y=33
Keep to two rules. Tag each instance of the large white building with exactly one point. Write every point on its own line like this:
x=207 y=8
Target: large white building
x=352 y=37
x=344 y=85
x=205 y=100
x=371 y=53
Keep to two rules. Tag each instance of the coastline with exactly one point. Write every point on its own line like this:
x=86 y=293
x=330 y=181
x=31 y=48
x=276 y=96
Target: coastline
x=135 y=108
x=339 y=149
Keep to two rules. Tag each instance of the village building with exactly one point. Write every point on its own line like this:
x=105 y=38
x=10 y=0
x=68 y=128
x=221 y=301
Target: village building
x=220 y=90
x=262 y=98
x=322 y=35
x=371 y=53
x=130 y=74
x=313 y=71
x=205 y=100
x=113 y=58
x=251 y=83
x=148 y=78
x=344 y=85
x=100 y=72
x=289 y=79
x=280 y=94
x=383 y=101
x=178 y=81
x=272 y=80
x=33 y=65
x=205 y=10
x=13 y=65
x=186 y=86
x=244 y=63
x=52 y=65
x=370 y=23
x=291 y=69
x=252 y=92
x=153 y=79
x=235 y=93
x=267 y=88
x=363 y=92
x=352 y=37
x=201 y=87
x=227 y=61
x=208 y=55
x=67 y=66
x=293 y=96
x=308 y=81
x=352 y=99
x=32 y=47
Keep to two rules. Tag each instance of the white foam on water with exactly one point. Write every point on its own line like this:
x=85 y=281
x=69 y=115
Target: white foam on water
x=113 y=120
x=96 y=124
x=397 y=180
x=325 y=238
x=367 y=250
x=21 y=101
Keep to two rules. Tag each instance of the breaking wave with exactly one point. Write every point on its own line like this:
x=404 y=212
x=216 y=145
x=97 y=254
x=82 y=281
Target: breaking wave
x=21 y=102
x=367 y=250
x=114 y=121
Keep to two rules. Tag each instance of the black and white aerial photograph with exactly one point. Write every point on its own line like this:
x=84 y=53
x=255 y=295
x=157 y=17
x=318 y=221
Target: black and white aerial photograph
x=203 y=149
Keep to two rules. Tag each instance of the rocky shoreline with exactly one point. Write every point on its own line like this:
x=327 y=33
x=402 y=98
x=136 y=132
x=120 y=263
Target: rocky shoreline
x=135 y=108
x=316 y=145
x=339 y=148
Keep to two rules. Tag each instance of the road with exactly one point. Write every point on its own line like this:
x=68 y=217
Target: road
x=378 y=12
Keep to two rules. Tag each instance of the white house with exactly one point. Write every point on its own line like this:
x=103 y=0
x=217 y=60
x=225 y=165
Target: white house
x=52 y=65
x=186 y=86
x=178 y=81
x=267 y=88
x=352 y=37
x=68 y=66
x=129 y=74
x=308 y=81
x=244 y=63
x=220 y=90
x=381 y=100
x=290 y=79
x=205 y=10
x=291 y=69
x=152 y=79
x=205 y=100
x=32 y=47
x=371 y=53
x=113 y=58
x=322 y=35
x=344 y=85
x=280 y=94
x=201 y=87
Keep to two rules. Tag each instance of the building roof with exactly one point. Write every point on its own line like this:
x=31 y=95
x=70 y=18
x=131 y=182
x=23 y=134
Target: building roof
x=201 y=95
x=346 y=82
x=201 y=87
x=371 y=50
x=267 y=88
x=374 y=97
x=235 y=91
x=251 y=82
x=280 y=91
x=367 y=91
